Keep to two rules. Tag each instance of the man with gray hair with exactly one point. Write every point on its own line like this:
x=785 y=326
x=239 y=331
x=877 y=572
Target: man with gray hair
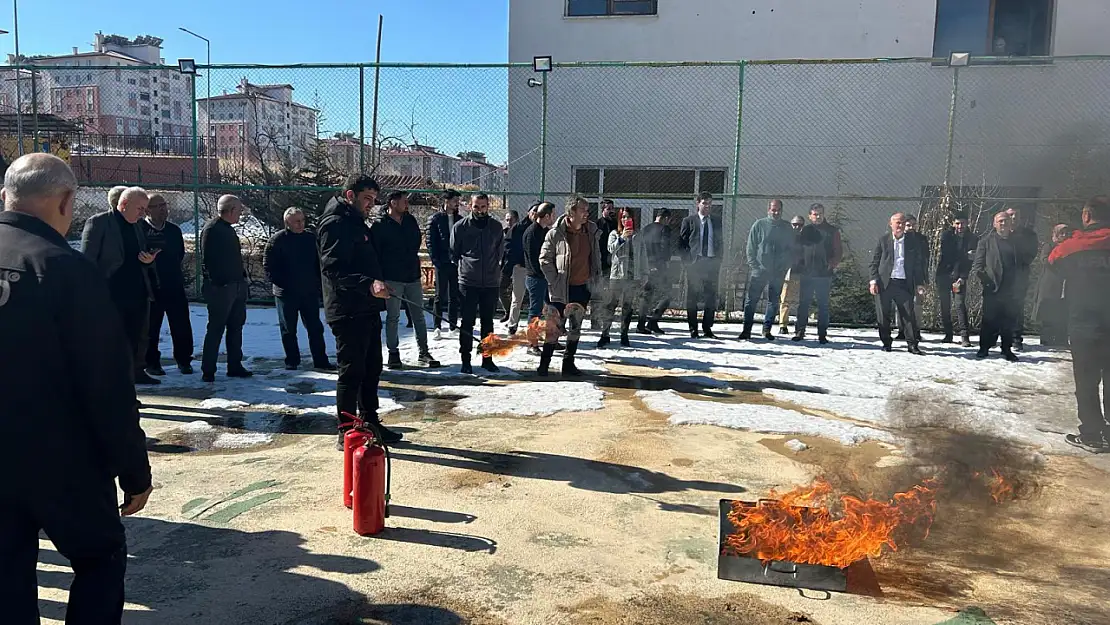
x=64 y=361
x=293 y=268
x=170 y=300
x=115 y=242
x=224 y=286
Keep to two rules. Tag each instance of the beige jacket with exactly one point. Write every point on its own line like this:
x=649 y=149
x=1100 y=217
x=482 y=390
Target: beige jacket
x=555 y=259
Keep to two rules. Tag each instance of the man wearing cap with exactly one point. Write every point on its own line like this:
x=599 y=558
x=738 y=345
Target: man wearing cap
x=793 y=279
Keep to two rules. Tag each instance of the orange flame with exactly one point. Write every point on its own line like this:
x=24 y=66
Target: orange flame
x=537 y=331
x=788 y=529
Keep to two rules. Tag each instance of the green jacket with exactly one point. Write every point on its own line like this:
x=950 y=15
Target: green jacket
x=771 y=247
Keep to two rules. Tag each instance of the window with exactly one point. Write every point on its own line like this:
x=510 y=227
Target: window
x=593 y=8
x=617 y=181
x=993 y=27
x=118 y=75
x=587 y=181
x=144 y=110
x=165 y=113
x=131 y=81
x=144 y=96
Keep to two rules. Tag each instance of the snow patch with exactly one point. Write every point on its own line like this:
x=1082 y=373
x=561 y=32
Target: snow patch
x=219 y=403
x=756 y=418
x=196 y=427
x=528 y=398
x=796 y=445
x=241 y=440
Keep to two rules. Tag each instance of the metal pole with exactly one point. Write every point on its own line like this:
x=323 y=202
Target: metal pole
x=18 y=81
x=377 y=81
x=736 y=164
x=361 y=120
x=208 y=118
x=543 y=140
x=951 y=125
x=196 y=192
x=34 y=112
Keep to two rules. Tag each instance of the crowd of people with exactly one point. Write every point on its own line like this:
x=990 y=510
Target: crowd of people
x=81 y=327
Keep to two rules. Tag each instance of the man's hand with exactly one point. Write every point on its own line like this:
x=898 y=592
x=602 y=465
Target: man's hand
x=148 y=257
x=921 y=290
x=874 y=288
x=134 y=503
x=379 y=290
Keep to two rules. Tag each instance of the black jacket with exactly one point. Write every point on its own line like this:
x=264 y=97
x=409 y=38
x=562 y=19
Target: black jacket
x=532 y=243
x=398 y=247
x=514 y=245
x=956 y=253
x=1050 y=286
x=69 y=420
x=348 y=264
x=221 y=255
x=882 y=260
x=439 y=237
x=1025 y=240
x=604 y=228
x=477 y=248
x=657 y=241
x=997 y=264
x=167 y=264
x=1084 y=262
x=292 y=264
x=821 y=249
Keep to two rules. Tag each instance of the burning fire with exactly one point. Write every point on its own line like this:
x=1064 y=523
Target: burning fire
x=1001 y=488
x=799 y=527
x=537 y=331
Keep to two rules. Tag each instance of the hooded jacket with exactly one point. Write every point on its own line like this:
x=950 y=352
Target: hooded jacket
x=555 y=259
x=477 y=246
x=348 y=264
x=1084 y=262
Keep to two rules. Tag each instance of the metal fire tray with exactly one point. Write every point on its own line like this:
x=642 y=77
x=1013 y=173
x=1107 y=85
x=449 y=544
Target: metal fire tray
x=743 y=568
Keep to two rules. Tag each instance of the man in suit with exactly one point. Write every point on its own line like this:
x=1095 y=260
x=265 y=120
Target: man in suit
x=657 y=243
x=114 y=241
x=998 y=264
x=169 y=300
x=897 y=275
x=919 y=298
x=701 y=238
x=447 y=274
x=1025 y=239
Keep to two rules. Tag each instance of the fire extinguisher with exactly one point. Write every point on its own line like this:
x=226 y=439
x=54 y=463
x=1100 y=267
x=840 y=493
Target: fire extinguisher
x=354 y=438
x=371 y=476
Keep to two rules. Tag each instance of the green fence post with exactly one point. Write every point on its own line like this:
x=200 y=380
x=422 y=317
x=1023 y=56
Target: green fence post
x=196 y=190
x=362 y=119
x=736 y=172
x=543 y=139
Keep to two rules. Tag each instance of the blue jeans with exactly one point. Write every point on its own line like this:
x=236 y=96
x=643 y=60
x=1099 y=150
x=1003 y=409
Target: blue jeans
x=818 y=287
x=537 y=296
x=756 y=285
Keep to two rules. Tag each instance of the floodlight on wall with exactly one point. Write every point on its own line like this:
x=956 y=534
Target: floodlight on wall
x=187 y=66
x=541 y=64
x=959 y=59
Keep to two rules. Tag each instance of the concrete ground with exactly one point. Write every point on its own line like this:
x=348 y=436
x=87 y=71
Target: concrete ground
x=602 y=517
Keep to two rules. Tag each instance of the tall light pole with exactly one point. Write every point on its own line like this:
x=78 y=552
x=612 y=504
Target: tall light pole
x=18 y=80
x=207 y=109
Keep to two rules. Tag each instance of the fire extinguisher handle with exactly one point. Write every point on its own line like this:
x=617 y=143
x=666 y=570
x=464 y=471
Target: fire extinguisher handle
x=355 y=423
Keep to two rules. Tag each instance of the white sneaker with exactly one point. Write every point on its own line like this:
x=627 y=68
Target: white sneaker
x=438 y=335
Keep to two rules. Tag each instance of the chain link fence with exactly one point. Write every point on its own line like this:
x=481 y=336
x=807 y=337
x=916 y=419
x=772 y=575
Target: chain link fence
x=864 y=138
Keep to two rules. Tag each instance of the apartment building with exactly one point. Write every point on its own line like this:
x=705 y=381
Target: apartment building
x=258 y=122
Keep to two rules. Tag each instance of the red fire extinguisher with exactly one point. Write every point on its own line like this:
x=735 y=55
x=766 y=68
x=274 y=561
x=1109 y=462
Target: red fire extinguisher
x=354 y=438
x=370 y=476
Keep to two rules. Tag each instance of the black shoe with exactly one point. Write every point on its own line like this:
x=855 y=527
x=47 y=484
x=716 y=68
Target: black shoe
x=560 y=347
x=603 y=341
x=569 y=370
x=981 y=354
x=141 y=377
x=487 y=364
x=824 y=340
x=1093 y=445
x=655 y=329
x=694 y=334
x=915 y=350
x=965 y=341
x=545 y=359
x=505 y=319
x=389 y=437
x=767 y=335
x=156 y=370
x=428 y=361
x=466 y=368
x=327 y=366
x=642 y=329
x=947 y=339
x=394 y=360
x=239 y=373
x=1010 y=356
x=290 y=367
x=208 y=377
x=624 y=340
x=797 y=338
x=784 y=330
x=185 y=369
x=707 y=333
x=512 y=330
x=534 y=351
x=746 y=335
x=887 y=348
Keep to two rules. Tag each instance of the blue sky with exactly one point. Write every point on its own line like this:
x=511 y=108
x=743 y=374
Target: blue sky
x=452 y=109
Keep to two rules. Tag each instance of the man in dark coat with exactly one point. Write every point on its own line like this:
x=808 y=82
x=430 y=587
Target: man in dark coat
x=114 y=241
x=354 y=298
x=603 y=298
x=224 y=286
x=821 y=253
x=658 y=243
x=396 y=237
x=447 y=274
x=998 y=265
x=1051 y=309
x=1084 y=261
x=69 y=427
x=897 y=275
x=477 y=246
x=505 y=294
x=701 y=238
x=957 y=247
x=293 y=268
x=1025 y=238
x=170 y=301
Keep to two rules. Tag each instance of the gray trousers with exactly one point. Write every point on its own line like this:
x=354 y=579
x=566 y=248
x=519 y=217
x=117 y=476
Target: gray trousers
x=413 y=292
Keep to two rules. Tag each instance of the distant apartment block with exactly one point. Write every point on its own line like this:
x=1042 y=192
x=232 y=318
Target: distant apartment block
x=467 y=168
x=343 y=152
x=107 y=103
x=259 y=123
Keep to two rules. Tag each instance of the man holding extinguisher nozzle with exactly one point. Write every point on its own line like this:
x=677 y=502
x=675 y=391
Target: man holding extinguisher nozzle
x=70 y=426
x=354 y=299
